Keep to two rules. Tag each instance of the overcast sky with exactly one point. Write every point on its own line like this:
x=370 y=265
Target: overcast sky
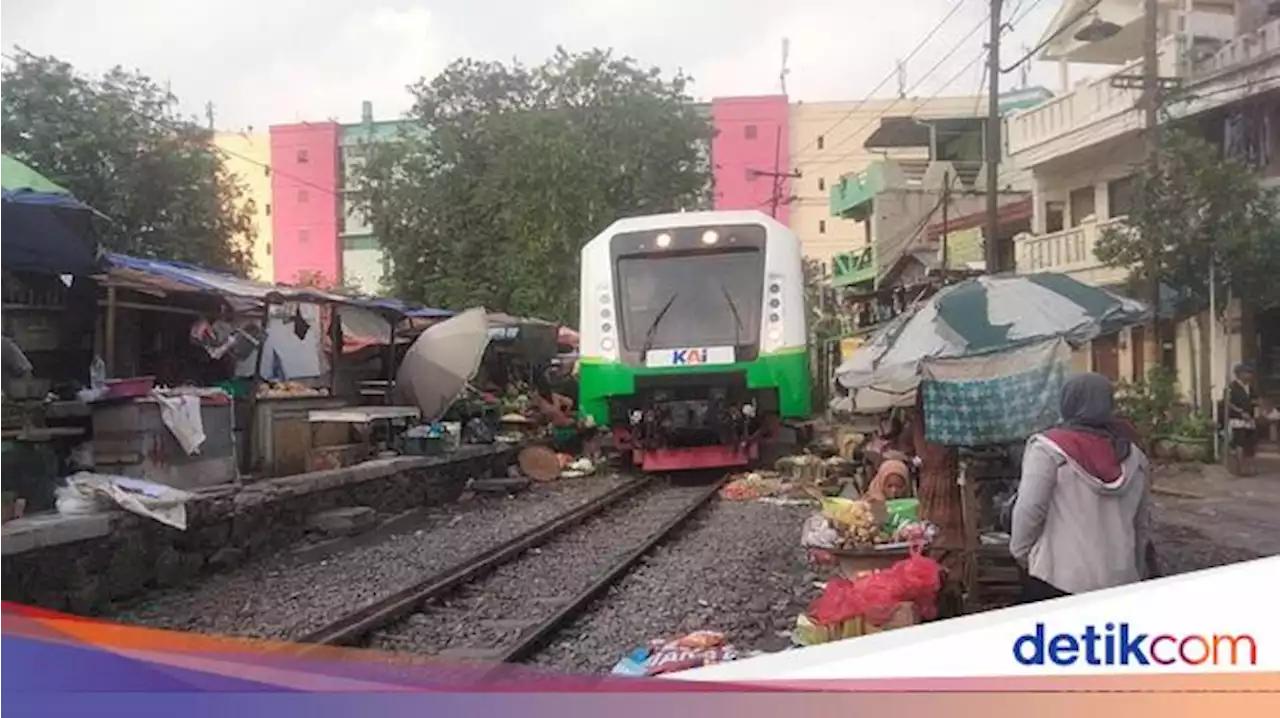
x=263 y=62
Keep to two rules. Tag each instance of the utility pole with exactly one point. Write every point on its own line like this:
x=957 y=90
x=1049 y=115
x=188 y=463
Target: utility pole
x=208 y=113
x=786 y=55
x=778 y=176
x=901 y=70
x=991 y=246
x=946 y=200
x=1151 y=111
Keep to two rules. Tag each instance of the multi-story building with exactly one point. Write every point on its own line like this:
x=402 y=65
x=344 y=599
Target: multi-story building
x=1082 y=147
x=788 y=157
x=304 y=207
x=364 y=264
x=247 y=156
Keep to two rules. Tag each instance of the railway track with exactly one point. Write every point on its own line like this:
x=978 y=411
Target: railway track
x=507 y=603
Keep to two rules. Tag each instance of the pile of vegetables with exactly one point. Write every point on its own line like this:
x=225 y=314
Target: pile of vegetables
x=282 y=389
x=849 y=524
x=856 y=523
x=751 y=486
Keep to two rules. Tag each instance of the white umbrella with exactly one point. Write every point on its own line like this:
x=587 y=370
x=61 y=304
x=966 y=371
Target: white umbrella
x=443 y=359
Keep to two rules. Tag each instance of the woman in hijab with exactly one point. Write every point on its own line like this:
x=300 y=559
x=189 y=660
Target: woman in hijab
x=1081 y=518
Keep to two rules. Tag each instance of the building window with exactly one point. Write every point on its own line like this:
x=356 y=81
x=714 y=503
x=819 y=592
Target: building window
x=749 y=132
x=822 y=226
x=267 y=247
x=1120 y=196
x=822 y=184
x=822 y=142
x=303 y=196
x=266 y=170
x=303 y=157
x=304 y=236
x=266 y=209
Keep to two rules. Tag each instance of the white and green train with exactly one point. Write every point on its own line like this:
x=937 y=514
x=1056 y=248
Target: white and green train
x=693 y=336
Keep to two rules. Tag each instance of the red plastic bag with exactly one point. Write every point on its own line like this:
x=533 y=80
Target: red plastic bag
x=915 y=579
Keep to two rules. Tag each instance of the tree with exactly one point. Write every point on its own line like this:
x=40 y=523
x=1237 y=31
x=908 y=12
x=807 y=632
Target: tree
x=1196 y=210
x=118 y=144
x=507 y=170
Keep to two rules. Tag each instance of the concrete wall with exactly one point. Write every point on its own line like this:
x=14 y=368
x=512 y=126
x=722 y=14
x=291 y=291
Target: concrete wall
x=247 y=156
x=826 y=143
x=304 y=186
x=752 y=135
x=82 y=563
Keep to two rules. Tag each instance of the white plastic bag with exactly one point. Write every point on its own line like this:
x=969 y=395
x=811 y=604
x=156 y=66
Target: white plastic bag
x=818 y=532
x=70 y=501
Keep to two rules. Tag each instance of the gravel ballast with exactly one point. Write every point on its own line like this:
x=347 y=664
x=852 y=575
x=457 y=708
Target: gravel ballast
x=737 y=568
x=285 y=597
x=493 y=612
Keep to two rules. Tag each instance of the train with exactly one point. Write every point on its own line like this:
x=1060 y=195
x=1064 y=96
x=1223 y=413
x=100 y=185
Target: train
x=693 y=338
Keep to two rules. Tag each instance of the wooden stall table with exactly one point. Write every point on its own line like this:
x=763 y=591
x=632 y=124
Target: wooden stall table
x=364 y=419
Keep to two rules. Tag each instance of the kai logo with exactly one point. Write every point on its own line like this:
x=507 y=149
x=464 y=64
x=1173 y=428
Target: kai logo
x=688 y=356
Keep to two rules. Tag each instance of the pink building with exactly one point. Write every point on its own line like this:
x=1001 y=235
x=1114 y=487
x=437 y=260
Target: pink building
x=751 y=144
x=304 y=192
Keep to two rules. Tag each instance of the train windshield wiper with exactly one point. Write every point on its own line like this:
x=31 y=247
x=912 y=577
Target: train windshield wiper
x=737 y=320
x=652 y=334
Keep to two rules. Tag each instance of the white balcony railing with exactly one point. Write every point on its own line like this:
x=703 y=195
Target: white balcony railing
x=1096 y=111
x=1071 y=251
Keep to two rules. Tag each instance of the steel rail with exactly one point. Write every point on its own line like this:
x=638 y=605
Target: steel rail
x=352 y=627
x=535 y=639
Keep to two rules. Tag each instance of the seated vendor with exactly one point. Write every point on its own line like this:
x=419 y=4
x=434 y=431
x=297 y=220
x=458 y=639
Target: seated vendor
x=568 y=434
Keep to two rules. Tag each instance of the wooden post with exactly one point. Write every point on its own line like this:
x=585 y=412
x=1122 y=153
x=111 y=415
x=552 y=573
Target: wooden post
x=335 y=346
x=110 y=349
x=391 y=360
x=251 y=421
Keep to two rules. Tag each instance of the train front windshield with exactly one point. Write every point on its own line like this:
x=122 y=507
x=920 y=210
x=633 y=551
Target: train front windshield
x=714 y=299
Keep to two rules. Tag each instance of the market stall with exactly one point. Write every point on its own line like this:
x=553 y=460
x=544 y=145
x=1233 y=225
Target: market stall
x=978 y=367
x=50 y=247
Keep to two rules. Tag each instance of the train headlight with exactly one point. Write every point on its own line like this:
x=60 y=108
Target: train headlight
x=637 y=416
x=607 y=344
x=749 y=410
x=775 y=335
x=664 y=241
x=710 y=237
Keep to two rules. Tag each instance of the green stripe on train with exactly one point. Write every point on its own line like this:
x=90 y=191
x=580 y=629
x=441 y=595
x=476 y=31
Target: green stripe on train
x=786 y=370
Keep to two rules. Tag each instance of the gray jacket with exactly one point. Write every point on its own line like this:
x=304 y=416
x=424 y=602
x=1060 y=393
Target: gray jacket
x=1074 y=531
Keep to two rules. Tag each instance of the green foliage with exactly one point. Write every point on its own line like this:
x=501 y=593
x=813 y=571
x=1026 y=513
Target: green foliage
x=1193 y=207
x=509 y=170
x=117 y=143
x=1196 y=426
x=824 y=322
x=1150 y=403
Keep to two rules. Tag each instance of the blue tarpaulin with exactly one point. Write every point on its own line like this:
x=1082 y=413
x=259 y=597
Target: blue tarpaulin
x=49 y=233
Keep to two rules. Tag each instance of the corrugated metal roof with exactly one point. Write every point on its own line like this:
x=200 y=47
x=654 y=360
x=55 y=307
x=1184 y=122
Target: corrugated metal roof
x=156 y=276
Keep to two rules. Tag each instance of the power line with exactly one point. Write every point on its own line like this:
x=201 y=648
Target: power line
x=919 y=106
x=936 y=66
x=862 y=103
